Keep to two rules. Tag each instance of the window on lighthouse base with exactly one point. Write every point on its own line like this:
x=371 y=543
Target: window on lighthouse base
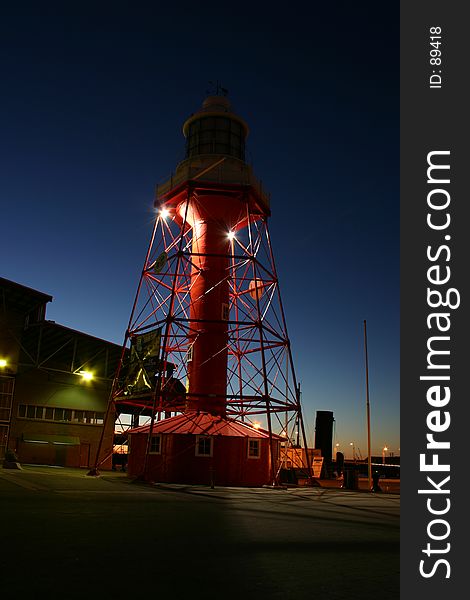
x=254 y=448
x=156 y=444
x=204 y=445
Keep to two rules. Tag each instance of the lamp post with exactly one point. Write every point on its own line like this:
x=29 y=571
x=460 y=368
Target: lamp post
x=353 y=451
x=384 y=449
x=336 y=449
x=369 y=457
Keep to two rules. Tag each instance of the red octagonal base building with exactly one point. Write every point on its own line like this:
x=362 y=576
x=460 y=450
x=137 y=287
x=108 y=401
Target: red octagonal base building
x=200 y=448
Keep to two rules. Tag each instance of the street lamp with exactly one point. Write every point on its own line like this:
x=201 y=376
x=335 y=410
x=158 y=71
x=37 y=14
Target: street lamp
x=353 y=451
x=383 y=454
x=86 y=375
x=336 y=450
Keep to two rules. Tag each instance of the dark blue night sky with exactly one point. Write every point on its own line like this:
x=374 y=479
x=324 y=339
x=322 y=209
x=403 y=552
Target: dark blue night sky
x=91 y=116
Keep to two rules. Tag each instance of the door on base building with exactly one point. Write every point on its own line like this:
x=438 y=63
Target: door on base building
x=60 y=455
x=84 y=455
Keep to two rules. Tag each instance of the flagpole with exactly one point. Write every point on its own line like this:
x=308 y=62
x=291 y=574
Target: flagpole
x=369 y=460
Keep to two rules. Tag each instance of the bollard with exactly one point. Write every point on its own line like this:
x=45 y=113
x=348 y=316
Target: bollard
x=350 y=481
x=212 y=477
x=375 y=482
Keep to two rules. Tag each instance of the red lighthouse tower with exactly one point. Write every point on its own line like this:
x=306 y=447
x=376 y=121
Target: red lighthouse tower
x=206 y=354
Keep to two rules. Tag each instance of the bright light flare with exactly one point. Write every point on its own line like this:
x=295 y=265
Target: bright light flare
x=86 y=375
x=3 y=363
x=256 y=424
x=164 y=213
x=231 y=235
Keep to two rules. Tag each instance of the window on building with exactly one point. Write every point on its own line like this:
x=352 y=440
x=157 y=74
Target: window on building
x=78 y=416
x=58 y=414
x=99 y=418
x=156 y=444
x=30 y=412
x=203 y=445
x=254 y=448
x=50 y=413
x=6 y=398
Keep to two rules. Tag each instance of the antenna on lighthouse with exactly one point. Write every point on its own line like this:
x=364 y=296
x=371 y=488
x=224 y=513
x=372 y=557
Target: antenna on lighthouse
x=216 y=89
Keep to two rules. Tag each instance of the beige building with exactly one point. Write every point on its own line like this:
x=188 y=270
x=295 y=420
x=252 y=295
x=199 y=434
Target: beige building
x=54 y=384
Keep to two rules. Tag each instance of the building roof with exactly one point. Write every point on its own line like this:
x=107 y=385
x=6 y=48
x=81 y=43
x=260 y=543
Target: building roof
x=58 y=347
x=21 y=298
x=199 y=423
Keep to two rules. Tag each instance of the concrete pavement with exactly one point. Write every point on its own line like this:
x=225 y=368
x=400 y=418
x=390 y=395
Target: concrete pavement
x=65 y=535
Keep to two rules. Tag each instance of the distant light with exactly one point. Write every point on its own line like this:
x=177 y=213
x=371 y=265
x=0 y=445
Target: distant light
x=3 y=362
x=231 y=235
x=87 y=375
x=164 y=213
x=256 y=425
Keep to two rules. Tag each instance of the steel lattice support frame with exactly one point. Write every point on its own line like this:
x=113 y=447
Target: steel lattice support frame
x=261 y=380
